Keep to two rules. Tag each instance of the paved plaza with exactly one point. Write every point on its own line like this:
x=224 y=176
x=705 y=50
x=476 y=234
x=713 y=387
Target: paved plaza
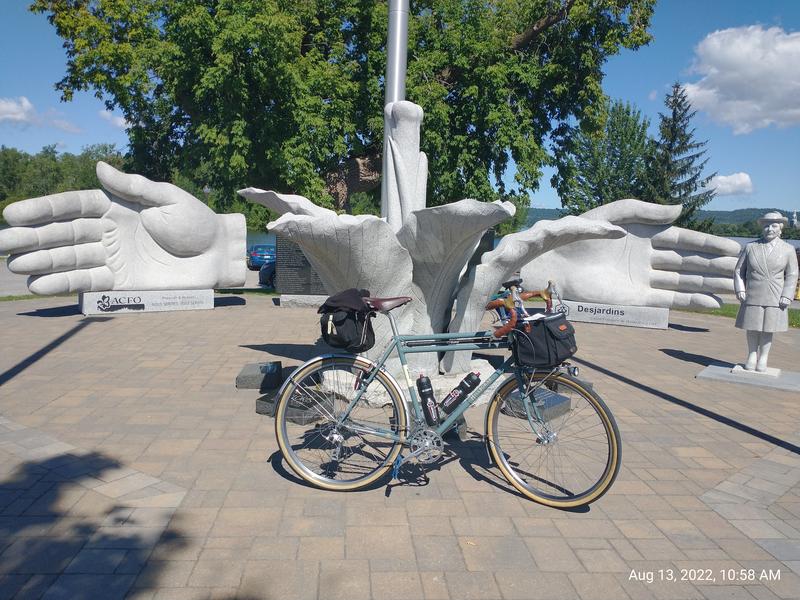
x=131 y=467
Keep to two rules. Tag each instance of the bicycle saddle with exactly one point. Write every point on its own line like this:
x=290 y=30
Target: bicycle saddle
x=512 y=283
x=384 y=305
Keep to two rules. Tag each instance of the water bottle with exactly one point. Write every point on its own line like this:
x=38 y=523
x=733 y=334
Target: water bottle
x=460 y=392
x=426 y=397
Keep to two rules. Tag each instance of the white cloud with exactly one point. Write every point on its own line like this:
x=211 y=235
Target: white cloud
x=750 y=77
x=652 y=95
x=115 y=120
x=731 y=185
x=19 y=110
x=65 y=126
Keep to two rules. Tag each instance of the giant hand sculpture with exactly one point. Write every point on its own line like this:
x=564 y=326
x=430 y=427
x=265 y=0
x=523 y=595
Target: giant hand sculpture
x=654 y=264
x=136 y=234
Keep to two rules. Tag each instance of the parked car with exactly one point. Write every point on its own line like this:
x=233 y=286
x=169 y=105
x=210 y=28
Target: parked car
x=266 y=275
x=258 y=254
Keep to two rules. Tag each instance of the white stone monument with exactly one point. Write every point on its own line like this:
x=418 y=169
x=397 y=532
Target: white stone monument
x=765 y=279
x=134 y=235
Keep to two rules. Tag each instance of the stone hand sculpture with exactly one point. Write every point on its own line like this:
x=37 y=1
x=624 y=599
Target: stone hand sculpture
x=499 y=265
x=765 y=278
x=654 y=264
x=135 y=234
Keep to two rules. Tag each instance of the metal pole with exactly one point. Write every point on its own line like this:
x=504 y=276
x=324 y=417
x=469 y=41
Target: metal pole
x=397 y=51
x=395 y=83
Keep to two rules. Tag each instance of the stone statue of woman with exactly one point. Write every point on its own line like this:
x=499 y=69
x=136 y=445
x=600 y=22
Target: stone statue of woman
x=764 y=280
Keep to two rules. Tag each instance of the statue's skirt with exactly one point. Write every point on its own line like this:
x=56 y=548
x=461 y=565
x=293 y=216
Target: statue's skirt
x=762 y=318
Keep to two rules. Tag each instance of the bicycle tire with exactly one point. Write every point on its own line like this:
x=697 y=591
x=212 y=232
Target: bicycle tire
x=308 y=406
x=586 y=439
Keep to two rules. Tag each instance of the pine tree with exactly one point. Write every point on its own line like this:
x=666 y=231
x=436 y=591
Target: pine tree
x=674 y=173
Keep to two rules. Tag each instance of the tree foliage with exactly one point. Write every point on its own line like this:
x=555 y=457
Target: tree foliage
x=675 y=168
x=608 y=165
x=24 y=175
x=288 y=94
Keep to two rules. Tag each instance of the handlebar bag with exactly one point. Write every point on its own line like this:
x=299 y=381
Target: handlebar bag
x=544 y=343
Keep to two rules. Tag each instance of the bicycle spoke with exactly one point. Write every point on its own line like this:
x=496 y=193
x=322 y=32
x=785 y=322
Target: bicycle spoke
x=319 y=445
x=568 y=457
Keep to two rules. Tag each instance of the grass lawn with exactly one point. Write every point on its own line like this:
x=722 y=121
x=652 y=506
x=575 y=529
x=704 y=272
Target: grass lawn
x=730 y=310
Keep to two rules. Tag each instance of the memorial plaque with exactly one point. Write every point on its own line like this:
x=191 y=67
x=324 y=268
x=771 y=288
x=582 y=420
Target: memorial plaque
x=293 y=272
x=610 y=314
x=122 y=302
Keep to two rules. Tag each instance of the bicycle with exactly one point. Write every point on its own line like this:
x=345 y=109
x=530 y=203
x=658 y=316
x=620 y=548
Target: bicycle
x=342 y=421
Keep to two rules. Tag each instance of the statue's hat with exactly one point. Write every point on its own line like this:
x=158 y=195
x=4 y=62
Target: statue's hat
x=773 y=217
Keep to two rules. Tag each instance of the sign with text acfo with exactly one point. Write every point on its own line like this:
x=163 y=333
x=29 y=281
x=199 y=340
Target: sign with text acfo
x=610 y=314
x=112 y=303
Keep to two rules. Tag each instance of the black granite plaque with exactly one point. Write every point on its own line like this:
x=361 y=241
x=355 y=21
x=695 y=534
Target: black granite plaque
x=293 y=272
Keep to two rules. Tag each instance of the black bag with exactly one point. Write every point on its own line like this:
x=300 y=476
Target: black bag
x=544 y=343
x=346 y=321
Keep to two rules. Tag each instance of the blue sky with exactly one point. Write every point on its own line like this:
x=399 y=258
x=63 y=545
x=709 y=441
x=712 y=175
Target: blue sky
x=740 y=59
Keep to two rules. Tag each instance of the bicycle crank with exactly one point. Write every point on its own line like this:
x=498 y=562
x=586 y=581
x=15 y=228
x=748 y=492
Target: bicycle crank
x=426 y=446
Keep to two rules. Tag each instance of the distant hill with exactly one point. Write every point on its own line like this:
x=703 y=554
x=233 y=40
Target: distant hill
x=543 y=214
x=734 y=217
x=739 y=216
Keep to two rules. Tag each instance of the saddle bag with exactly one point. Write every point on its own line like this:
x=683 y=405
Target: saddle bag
x=544 y=343
x=346 y=321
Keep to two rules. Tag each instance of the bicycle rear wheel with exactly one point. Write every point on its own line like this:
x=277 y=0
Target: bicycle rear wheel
x=346 y=456
x=569 y=455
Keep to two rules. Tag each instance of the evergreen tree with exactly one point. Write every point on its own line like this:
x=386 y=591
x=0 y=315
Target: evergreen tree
x=606 y=166
x=675 y=168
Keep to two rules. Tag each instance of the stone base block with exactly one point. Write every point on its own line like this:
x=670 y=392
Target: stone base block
x=609 y=314
x=770 y=372
x=115 y=302
x=787 y=380
x=260 y=376
x=301 y=301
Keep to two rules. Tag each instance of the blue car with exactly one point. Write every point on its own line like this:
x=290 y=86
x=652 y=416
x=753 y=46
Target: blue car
x=258 y=254
x=266 y=275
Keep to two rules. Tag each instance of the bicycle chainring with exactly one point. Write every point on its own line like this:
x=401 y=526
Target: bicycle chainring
x=426 y=445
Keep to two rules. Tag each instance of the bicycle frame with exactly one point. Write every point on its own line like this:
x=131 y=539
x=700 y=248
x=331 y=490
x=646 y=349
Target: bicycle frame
x=438 y=342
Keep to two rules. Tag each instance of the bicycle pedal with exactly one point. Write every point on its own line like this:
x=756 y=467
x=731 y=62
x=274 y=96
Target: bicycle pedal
x=396 y=467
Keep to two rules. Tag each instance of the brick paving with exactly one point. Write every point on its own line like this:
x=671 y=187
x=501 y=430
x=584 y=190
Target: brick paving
x=131 y=467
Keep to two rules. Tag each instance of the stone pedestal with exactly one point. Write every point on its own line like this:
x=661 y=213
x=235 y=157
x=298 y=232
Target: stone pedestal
x=122 y=302
x=611 y=314
x=785 y=380
x=770 y=372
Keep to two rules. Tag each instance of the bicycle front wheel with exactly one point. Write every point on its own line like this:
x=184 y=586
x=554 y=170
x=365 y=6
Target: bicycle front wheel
x=567 y=453
x=327 y=450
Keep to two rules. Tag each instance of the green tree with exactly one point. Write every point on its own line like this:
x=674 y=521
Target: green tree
x=607 y=165
x=288 y=94
x=12 y=165
x=675 y=168
x=23 y=175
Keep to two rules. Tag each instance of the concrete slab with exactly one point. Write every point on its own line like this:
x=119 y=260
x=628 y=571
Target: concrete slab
x=260 y=376
x=786 y=380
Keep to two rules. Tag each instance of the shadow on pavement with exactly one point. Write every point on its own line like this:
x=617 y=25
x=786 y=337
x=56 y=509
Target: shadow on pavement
x=695 y=358
x=771 y=439
x=302 y=352
x=70 y=310
x=42 y=352
x=688 y=328
x=61 y=538
x=224 y=301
